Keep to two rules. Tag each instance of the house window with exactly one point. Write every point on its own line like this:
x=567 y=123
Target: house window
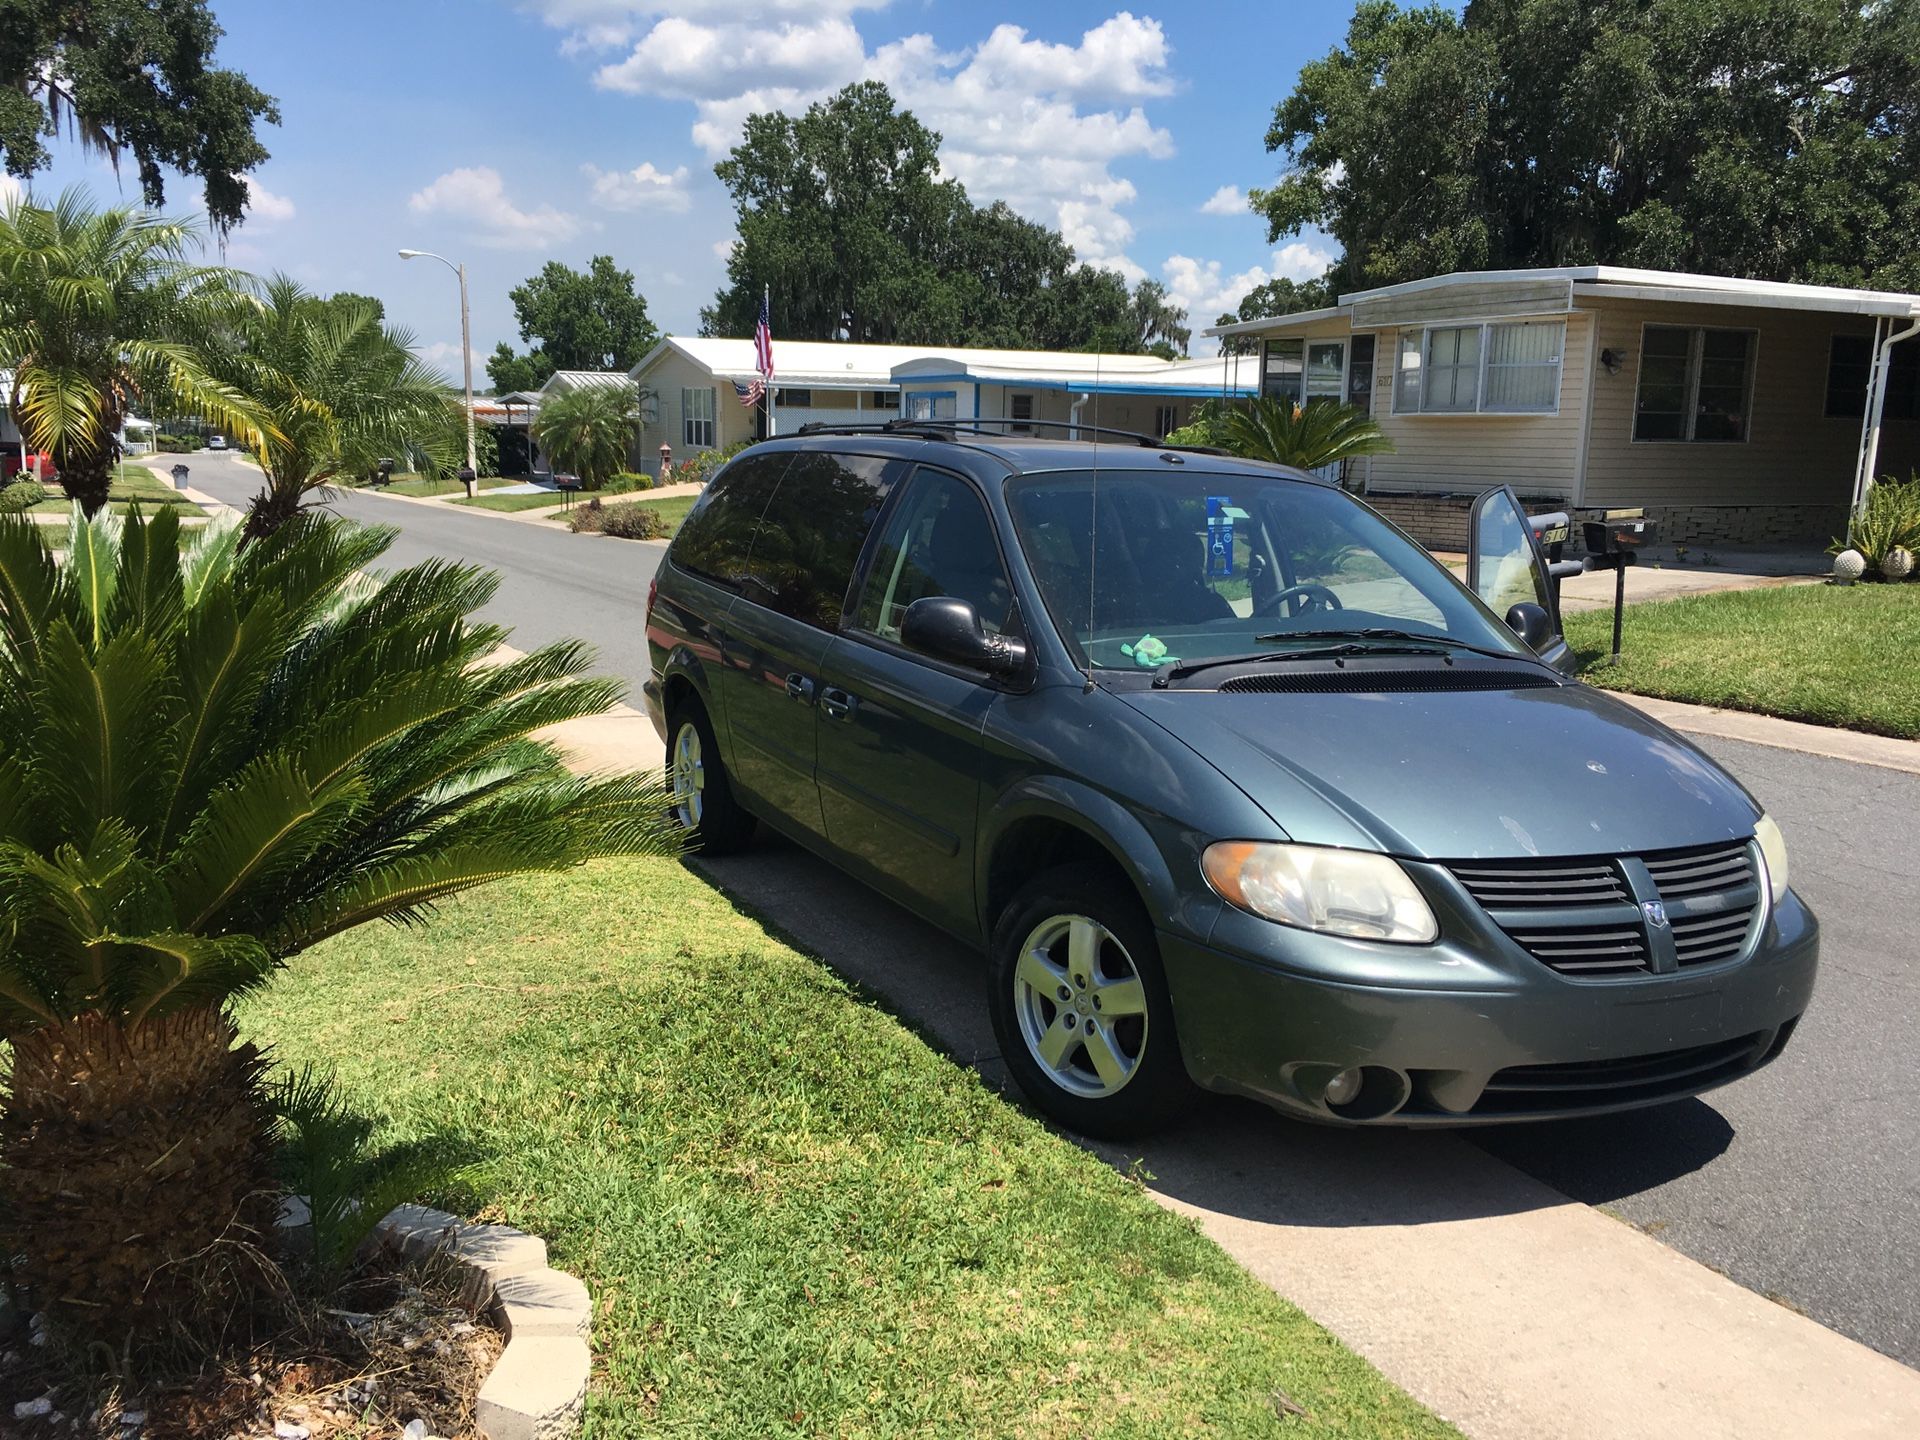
x=886 y=399
x=800 y=398
x=929 y=405
x=1020 y=409
x=1509 y=368
x=1166 y=420
x=1850 y=370
x=696 y=419
x=1694 y=384
x=1281 y=371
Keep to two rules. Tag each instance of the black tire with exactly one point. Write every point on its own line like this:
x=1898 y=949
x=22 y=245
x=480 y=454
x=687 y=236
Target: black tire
x=1077 y=1092
x=715 y=824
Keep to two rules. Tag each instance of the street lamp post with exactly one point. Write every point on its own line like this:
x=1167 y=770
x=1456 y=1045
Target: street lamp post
x=466 y=356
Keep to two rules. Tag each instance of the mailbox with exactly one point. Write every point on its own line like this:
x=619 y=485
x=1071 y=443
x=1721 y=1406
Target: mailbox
x=384 y=469
x=1617 y=534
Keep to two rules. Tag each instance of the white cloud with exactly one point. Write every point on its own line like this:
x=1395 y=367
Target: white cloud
x=1227 y=200
x=10 y=189
x=1037 y=123
x=1204 y=291
x=265 y=208
x=477 y=196
x=724 y=248
x=444 y=356
x=645 y=187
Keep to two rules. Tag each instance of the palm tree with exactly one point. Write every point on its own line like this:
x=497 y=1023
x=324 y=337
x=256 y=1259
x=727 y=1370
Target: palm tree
x=217 y=758
x=1305 y=436
x=339 y=390
x=100 y=311
x=589 y=431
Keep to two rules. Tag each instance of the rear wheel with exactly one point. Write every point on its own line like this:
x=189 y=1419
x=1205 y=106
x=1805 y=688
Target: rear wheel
x=1079 y=1003
x=702 y=801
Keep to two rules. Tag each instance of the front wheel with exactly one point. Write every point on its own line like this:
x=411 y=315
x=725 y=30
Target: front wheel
x=1080 y=1005
x=702 y=801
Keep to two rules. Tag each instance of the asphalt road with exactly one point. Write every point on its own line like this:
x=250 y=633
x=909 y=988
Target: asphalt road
x=1802 y=1183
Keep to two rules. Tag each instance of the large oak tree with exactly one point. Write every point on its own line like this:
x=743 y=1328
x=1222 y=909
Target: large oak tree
x=131 y=78
x=576 y=320
x=1777 y=139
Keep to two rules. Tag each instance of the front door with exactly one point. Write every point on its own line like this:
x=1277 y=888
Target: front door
x=1505 y=565
x=899 y=746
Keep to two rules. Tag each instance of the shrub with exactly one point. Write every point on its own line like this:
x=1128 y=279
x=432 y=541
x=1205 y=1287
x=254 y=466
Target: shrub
x=22 y=495
x=701 y=467
x=628 y=481
x=623 y=522
x=1888 y=521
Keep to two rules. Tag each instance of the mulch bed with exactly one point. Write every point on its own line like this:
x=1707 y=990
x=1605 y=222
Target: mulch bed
x=398 y=1351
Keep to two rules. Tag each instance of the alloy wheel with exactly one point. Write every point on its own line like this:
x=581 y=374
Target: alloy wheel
x=689 y=776
x=1080 y=1004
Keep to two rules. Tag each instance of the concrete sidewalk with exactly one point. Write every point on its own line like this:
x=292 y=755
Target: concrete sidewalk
x=1513 y=1311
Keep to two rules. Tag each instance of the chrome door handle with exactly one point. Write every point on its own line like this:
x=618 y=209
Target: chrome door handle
x=838 y=704
x=799 y=687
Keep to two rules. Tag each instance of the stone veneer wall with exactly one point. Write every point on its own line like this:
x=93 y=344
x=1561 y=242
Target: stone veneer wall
x=1440 y=521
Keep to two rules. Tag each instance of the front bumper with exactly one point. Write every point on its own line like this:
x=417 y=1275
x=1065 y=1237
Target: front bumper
x=1451 y=1035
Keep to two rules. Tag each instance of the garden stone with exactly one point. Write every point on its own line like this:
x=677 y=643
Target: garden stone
x=546 y=1302
x=28 y=1409
x=415 y=1429
x=536 y=1391
x=287 y=1430
x=132 y=1419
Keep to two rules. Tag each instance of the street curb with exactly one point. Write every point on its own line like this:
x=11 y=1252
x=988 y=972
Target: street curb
x=537 y=1389
x=1824 y=740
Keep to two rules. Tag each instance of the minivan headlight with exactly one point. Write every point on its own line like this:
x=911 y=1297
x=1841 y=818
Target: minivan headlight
x=1773 y=853
x=1337 y=892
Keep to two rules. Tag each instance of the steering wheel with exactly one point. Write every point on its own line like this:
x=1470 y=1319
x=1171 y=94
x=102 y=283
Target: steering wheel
x=1314 y=597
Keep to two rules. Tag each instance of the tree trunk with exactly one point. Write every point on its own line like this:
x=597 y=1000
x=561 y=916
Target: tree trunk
x=273 y=507
x=87 y=477
x=136 y=1188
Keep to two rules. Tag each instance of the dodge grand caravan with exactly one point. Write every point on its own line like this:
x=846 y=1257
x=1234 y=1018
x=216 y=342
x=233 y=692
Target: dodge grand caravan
x=1237 y=786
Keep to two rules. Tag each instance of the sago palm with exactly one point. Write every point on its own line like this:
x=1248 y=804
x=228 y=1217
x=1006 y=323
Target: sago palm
x=340 y=390
x=217 y=757
x=102 y=311
x=588 y=432
x=1305 y=436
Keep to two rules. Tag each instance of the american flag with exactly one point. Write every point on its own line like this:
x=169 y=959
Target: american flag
x=763 y=341
x=750 y=394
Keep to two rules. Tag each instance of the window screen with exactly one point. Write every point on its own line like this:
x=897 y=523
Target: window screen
x=1695 y=384
x=1282 y=375
x=1523 y=367
x=696 y=410
x=1453 y=369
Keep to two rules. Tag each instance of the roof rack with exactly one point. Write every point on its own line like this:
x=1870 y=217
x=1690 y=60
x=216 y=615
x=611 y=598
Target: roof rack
x=947 y=429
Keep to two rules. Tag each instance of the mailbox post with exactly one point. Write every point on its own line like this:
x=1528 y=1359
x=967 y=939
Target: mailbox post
x=383 y=470
x=1612 y=544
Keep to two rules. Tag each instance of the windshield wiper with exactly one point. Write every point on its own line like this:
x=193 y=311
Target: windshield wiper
x=1377 y=632
x=1179 y=670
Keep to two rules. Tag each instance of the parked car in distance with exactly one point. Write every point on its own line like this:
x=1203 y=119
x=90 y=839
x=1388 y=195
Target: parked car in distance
x=1237 y=786
x=216 y=442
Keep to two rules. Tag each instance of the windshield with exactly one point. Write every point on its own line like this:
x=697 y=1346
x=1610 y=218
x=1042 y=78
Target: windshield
x=1189 y=567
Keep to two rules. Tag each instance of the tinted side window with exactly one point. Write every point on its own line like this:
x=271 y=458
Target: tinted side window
x=939 y=542
x=716 y=538
x=812 y=532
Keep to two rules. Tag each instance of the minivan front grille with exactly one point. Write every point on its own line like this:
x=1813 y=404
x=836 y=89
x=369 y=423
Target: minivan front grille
x=1582 y=918
x=1634 y=1079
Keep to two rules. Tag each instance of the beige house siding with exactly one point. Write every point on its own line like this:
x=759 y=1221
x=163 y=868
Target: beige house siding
x=1794 y=453
x=1536 y=454
x=665 y=422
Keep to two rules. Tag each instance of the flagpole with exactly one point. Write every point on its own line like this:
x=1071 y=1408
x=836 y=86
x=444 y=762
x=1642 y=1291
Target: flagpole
x=766 y=310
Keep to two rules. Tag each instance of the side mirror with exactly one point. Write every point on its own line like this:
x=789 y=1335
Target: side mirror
x=948 y=628
x=1531 y=623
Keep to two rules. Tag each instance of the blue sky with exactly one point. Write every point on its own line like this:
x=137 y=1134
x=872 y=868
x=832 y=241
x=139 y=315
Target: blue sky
x=510 y=132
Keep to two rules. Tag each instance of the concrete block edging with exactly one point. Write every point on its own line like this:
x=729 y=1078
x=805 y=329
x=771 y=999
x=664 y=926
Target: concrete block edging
x=538 y=1387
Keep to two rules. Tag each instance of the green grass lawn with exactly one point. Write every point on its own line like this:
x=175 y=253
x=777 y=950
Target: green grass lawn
x=796 y=1218
x=674 y=507
x=426 y=485
x=132 y=484
x=1834 y=655
x=543 y=500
